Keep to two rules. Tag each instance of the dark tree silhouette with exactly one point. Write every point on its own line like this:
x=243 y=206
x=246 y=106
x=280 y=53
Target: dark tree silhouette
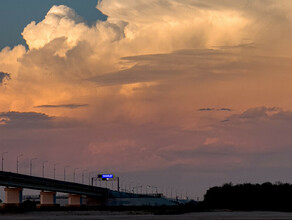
x=266 y=196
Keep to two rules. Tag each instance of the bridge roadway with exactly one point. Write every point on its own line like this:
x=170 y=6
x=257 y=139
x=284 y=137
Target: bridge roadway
x=38 y=183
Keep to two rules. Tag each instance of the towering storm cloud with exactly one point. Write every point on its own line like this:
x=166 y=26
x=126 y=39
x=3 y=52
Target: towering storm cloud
x=175 y=85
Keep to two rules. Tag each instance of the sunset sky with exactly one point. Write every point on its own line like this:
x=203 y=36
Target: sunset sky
x=181 y=94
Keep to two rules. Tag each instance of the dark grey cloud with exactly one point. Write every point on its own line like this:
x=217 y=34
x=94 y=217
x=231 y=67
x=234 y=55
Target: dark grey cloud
x=263 y=112
x=193 y=65
x=240 y=46
x=33 y=120
x=224 y=109
x=196 y=65
x=257 y=113
x=71 y=106
x=137 y=74
x=158 y=67
x=4 y=76
x=214 y=109
x=25 y=119
x=206 y=109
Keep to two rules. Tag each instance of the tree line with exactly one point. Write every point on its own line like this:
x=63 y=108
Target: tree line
x=266 y=196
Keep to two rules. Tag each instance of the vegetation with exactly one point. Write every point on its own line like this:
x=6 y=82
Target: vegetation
x=266 y=196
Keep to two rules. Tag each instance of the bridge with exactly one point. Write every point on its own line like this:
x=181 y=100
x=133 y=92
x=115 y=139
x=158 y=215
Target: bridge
x=15 y=183
x=78 y=194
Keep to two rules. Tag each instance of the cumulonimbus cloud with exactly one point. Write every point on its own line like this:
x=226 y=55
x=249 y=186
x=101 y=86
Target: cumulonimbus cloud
x=148 y=73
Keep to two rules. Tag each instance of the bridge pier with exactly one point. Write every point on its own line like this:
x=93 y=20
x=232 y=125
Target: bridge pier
x=13 y=196
x=74 y=200
x=47 y=198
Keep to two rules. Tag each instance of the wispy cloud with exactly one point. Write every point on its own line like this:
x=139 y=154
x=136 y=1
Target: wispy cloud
x=215 y=109
x=206 y=109
x=71 y=106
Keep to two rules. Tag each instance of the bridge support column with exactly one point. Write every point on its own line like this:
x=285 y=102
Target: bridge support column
x=13 y=196
x=47 y=198
x=74 y=200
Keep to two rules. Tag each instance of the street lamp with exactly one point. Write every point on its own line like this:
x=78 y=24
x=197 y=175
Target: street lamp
x=118 y=179
x=166 y=192
x=137 y=188
x=30 y=165
x=74 y=174
x=3 y=159
x=65 y=172
x=55 y=169
x=44 y=167
x=91 y=178
x=148 y=186
x=89 y=175
x=20 y=155
x=83 y=176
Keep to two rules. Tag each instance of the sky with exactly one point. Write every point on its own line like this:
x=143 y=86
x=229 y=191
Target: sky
x=178 y=94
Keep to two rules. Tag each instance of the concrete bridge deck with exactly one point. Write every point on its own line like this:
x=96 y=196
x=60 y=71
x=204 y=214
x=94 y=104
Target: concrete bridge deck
x=78 y=194
x=9 y=179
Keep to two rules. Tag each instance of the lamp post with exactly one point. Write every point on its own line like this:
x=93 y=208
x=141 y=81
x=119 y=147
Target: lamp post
x=89 y=175
x=91 y=178
x=17 y=162
x=44 y=167
x=30 y=165
x=166 y=192
x=83 y=176
x=65 y=172
x=118 y=179
x=3 y=159
x=74 y=174
x=137 y=188
x=147 y=188
x=55 y=164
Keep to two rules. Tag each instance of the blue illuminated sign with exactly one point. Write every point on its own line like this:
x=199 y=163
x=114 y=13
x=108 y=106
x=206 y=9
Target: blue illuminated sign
x=107 y=176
